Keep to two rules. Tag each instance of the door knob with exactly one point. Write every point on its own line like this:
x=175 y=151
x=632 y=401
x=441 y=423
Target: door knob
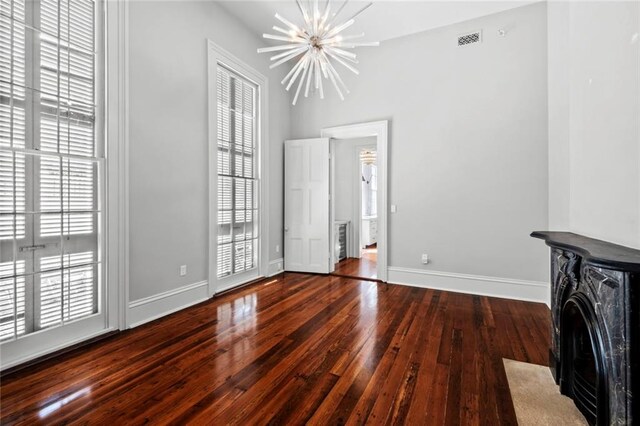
x=286 y=229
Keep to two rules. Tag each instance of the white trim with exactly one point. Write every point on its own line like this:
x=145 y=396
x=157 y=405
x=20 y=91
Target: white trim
x=238 y=279
x=379 y=129
x=356 y=230
x=117 y=154
x=275 y=267
x=47 y=340
x=508 y=288
x=153 y=307
x=215 y=55
x=51 y=349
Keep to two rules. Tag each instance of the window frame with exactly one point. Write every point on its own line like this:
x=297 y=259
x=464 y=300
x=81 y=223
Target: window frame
x=35 y=158
x=237 y=155
x=219 y=56
x=111 y=123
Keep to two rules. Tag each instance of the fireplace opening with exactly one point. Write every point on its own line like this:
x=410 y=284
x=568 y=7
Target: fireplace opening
x=582 y=372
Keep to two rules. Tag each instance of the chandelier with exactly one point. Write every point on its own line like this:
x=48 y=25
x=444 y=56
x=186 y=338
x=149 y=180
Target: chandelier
x=368 y=157
x=316 y=45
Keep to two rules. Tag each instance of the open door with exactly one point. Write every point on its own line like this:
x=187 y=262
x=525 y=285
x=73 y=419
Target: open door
x=306 y=205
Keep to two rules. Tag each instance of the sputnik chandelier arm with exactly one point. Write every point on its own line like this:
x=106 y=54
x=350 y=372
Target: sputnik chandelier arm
x=314 y=46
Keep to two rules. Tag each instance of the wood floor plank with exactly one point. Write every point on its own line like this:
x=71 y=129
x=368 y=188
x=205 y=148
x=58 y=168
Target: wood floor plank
x=425 y=387
x=295 y=349
x=454 y=387
x=384 y=383
x=364 y=267
x=339 y=404
x=401 y=375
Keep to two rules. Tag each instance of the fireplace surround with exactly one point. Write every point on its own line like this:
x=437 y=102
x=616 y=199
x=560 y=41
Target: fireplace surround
x=595 y=314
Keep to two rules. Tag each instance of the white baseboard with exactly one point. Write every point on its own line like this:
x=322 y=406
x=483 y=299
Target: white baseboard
x=11 y=360
x=531 y=291
x=275 y=267
x=153 y=307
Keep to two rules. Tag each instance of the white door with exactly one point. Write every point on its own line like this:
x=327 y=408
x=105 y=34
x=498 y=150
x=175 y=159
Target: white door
x=306 y=205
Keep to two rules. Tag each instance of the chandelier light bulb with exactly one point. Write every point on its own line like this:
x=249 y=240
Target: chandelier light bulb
x=315 y=46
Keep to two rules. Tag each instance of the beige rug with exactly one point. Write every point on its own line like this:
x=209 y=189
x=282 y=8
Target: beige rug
x=536 y=396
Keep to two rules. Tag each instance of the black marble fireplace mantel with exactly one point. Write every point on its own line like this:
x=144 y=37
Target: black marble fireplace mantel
x=596 y=252
x=595 y=331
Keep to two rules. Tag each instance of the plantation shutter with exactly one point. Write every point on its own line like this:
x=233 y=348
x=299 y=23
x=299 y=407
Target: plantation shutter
x=49 y=164
x=12 y=166
x=237 y=178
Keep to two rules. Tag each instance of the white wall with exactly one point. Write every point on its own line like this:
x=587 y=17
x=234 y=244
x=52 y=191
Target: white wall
x=558 y=93
x=468 y=143
x=168 y=138
x=346 y=174
x=594 y=114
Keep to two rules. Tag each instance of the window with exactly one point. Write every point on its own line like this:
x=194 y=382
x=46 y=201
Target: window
x=237 y=201
x=369 y=189
x=50 y=162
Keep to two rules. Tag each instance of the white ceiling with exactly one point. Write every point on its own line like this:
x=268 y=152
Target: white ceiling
x=382 y=21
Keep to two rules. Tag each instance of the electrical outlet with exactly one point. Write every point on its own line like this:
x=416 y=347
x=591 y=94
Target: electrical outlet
x=394 y=208
x=183 y=270
x=277 y=248
x=425 y=259
x=279 y=266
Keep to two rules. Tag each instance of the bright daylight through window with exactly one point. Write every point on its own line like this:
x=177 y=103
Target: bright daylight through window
x=50 y=162
x=237 y=175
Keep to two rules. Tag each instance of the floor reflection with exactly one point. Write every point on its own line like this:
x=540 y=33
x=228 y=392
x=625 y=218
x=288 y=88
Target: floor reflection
x=55 y=406
x=295 y=349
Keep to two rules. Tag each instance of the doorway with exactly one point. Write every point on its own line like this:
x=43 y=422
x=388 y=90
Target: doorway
x=358 y=206
x=309 y=201
x=355 y=207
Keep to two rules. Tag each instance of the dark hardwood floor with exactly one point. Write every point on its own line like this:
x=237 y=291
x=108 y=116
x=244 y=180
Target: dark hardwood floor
x=292 y=350
x=364 y=267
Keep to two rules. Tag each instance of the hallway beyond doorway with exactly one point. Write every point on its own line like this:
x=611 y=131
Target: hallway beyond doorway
x=365 y=267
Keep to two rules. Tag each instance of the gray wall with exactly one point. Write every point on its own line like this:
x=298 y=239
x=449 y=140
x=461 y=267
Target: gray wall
x=468 y=159
x=168 y=138
x=594 y=114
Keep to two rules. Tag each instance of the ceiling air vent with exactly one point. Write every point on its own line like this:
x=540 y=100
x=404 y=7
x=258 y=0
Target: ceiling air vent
x=470 y=38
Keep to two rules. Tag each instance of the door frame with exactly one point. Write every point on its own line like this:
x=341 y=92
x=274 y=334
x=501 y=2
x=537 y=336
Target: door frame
x=379 y=130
